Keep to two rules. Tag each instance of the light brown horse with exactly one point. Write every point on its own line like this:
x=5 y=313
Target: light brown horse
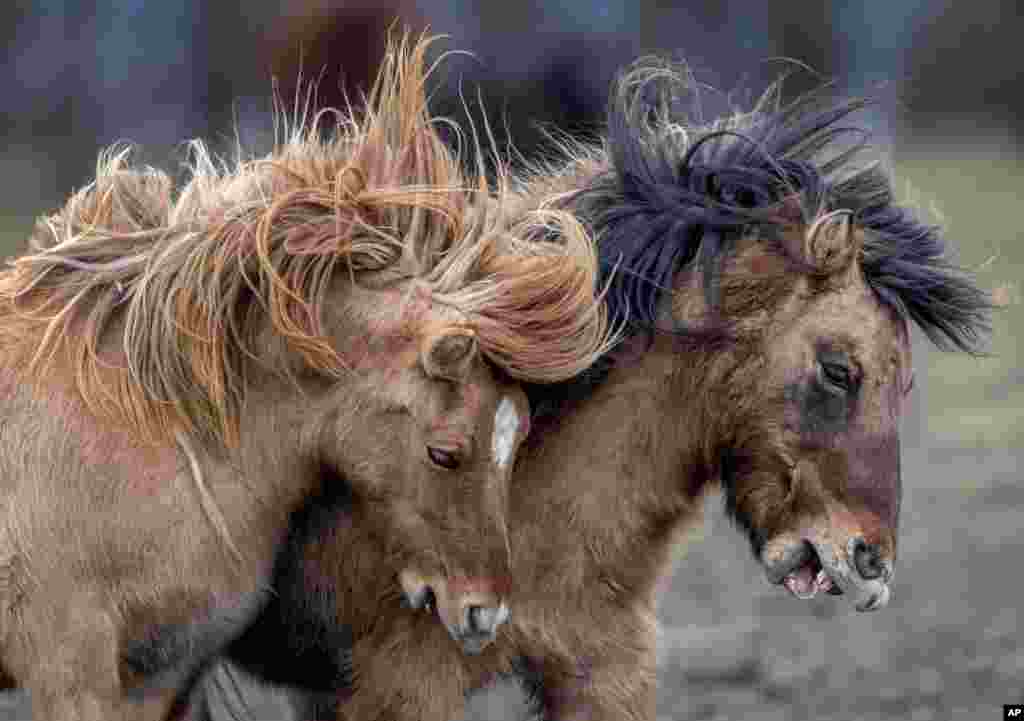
x=768 y=278
x=183 y=377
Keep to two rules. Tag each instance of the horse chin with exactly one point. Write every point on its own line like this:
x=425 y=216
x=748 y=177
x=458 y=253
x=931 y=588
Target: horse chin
x=807 y=566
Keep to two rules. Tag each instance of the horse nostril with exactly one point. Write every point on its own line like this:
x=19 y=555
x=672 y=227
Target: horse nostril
x=483 y=619
x=478 y=618
x=423 y=597
x=867 y=560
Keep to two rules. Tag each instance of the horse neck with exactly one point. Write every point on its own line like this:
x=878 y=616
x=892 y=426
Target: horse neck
x=626 y=468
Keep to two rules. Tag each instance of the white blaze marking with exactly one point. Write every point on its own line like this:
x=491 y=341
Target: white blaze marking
x=506 y=423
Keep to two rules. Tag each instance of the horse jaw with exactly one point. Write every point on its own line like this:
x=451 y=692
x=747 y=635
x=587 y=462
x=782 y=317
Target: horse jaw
x=811 y=562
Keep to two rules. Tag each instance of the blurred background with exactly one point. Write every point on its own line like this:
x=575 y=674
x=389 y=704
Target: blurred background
x=78 y=75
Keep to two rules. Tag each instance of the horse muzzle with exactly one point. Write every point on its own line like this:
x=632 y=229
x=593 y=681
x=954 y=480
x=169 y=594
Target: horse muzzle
x=811 y=565
x=478 y=626
x=471 y=613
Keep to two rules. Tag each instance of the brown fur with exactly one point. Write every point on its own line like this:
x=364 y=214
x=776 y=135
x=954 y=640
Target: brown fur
x=178 y=375
x=603 y=491
x=600 y=499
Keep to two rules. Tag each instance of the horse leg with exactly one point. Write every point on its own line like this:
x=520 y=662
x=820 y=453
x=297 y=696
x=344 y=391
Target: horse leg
x=404 y=674
x=614 y=679
x=88 y=706
x=11 y=592
x=68 y=655
x=601 y=693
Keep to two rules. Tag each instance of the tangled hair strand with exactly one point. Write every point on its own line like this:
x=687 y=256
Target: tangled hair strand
x=182 y=283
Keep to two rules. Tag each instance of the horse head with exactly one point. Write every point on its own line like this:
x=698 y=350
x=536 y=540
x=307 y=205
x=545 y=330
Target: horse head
x=430 y=442
x=768 y=267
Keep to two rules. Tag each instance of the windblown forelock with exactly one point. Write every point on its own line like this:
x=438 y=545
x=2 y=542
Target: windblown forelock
x=259 y=242
x=533 y=301
x=677 y=191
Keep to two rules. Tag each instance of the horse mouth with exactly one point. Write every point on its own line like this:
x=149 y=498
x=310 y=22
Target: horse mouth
x=807 y=569
x=802 y=574
x=471 y=619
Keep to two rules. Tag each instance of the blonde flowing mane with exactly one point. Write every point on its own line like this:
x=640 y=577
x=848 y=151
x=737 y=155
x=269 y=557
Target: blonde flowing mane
x=183 y=282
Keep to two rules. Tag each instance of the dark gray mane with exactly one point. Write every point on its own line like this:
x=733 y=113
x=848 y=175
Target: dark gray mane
x=677 y=193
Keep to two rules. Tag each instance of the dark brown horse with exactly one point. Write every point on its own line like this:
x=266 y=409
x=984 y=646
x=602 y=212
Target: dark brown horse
x=767 y=278
x=182 y=378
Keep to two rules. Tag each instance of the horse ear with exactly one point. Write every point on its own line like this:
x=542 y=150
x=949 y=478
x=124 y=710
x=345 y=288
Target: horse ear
x=448 y=352
x=832 y=243
x=828 y=245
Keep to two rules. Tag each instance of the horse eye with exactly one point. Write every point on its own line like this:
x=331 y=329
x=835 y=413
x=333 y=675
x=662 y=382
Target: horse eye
x=443 y=458
x=838 y=375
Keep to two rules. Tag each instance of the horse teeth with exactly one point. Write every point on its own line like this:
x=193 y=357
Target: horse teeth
x=823 y=581
x=792 y=585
